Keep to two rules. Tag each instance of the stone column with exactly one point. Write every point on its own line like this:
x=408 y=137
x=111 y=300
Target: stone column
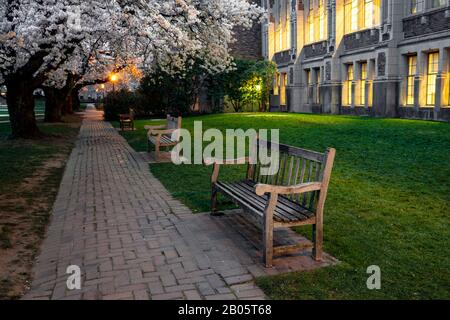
x=294 y=26
x=421 y=80
x=331 y=10
x=417 y=82
x=354 y=84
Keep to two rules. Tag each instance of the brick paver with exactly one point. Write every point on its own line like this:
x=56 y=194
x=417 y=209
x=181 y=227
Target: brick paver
x=130 y=238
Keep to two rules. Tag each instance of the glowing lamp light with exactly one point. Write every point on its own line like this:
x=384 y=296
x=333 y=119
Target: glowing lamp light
x=258 y=87
x=114 y=77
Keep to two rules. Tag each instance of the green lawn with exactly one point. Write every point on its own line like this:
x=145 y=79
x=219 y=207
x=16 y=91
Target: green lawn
x=388 y=204
x=31 y=172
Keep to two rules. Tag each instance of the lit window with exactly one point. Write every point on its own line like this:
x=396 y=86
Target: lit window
x=322 y=20
x=412 y=70
x=416 y=6
x=350 y=77
x=347 y=88
x=308 y=84
x=311 y=27
x=433 y=63
x=362 y=88
x=276 y=86
x=448 y=85
x=368 y=13
x=316 y=22
x=359 y=14
x=347 y=15
x=282 y=27
x=437 y=3
x=283 y=84
x=318 y=80
x=354 y=18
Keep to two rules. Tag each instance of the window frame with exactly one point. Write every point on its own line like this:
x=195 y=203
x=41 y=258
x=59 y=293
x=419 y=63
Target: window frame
x=432 y=72
x=363 y=81
x=410 y=79
x=347 y=94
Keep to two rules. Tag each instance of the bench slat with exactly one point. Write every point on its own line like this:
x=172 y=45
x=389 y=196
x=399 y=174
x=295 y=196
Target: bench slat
x=286 y=210
x=288 y=203
x=165 y=140
x=294 y=151
x=240 y=200
x=250 y=203
x=250 y=194
x=289 y=212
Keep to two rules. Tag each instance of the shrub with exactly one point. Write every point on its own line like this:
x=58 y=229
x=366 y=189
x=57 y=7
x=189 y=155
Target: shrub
x=120 y=102
x=171 y=93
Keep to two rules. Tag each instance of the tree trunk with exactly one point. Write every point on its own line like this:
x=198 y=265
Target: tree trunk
x=20 y=102
x=54 y=104
x=75 y=100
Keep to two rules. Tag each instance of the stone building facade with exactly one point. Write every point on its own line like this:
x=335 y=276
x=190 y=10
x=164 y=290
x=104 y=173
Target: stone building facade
x=248 y=43
x=363 y=57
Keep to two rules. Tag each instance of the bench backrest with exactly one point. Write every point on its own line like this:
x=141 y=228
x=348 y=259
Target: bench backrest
x=297 y=166
x=174 y=122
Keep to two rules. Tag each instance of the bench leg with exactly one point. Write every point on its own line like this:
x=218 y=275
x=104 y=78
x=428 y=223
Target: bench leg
x=157 y=151
x=268 y=231
x=214 y=201
x=318 y=241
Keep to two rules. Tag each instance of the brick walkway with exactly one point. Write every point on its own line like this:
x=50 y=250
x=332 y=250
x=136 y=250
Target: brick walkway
x=131 y=239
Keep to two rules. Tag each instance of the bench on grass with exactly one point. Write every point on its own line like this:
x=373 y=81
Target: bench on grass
x=127 y=121
x=294 y=196
x=161 y=136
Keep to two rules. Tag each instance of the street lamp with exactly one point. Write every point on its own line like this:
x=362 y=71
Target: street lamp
x=113 y=78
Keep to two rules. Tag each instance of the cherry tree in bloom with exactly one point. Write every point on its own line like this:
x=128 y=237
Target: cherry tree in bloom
x=46 y=42
x=37 y=37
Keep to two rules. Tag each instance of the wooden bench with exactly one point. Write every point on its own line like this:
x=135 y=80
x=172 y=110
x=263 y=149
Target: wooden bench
x=161 y=136
x=295 y=196
x=127 y=121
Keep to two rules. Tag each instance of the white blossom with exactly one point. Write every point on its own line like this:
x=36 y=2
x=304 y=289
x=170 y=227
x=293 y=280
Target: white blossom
x=54 y=37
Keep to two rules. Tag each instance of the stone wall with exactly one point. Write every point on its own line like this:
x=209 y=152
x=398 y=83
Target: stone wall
x=248 y=44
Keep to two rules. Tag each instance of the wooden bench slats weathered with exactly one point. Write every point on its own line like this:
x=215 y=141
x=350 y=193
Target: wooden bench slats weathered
x=286 y=210
x=294 y=196
x=165 y=140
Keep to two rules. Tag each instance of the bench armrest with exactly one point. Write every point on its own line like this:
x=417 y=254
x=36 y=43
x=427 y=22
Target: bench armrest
x=156 y=132
x=161 y=127
x=211 y=161
x=262 y=189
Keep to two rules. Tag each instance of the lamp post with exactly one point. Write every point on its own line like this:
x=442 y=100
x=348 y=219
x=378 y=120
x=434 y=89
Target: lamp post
x=113 y=78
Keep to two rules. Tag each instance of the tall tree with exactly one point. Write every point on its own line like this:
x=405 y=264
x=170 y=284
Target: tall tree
x=38 y=37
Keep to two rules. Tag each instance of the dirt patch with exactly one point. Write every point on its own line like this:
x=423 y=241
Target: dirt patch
x=24 y=216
